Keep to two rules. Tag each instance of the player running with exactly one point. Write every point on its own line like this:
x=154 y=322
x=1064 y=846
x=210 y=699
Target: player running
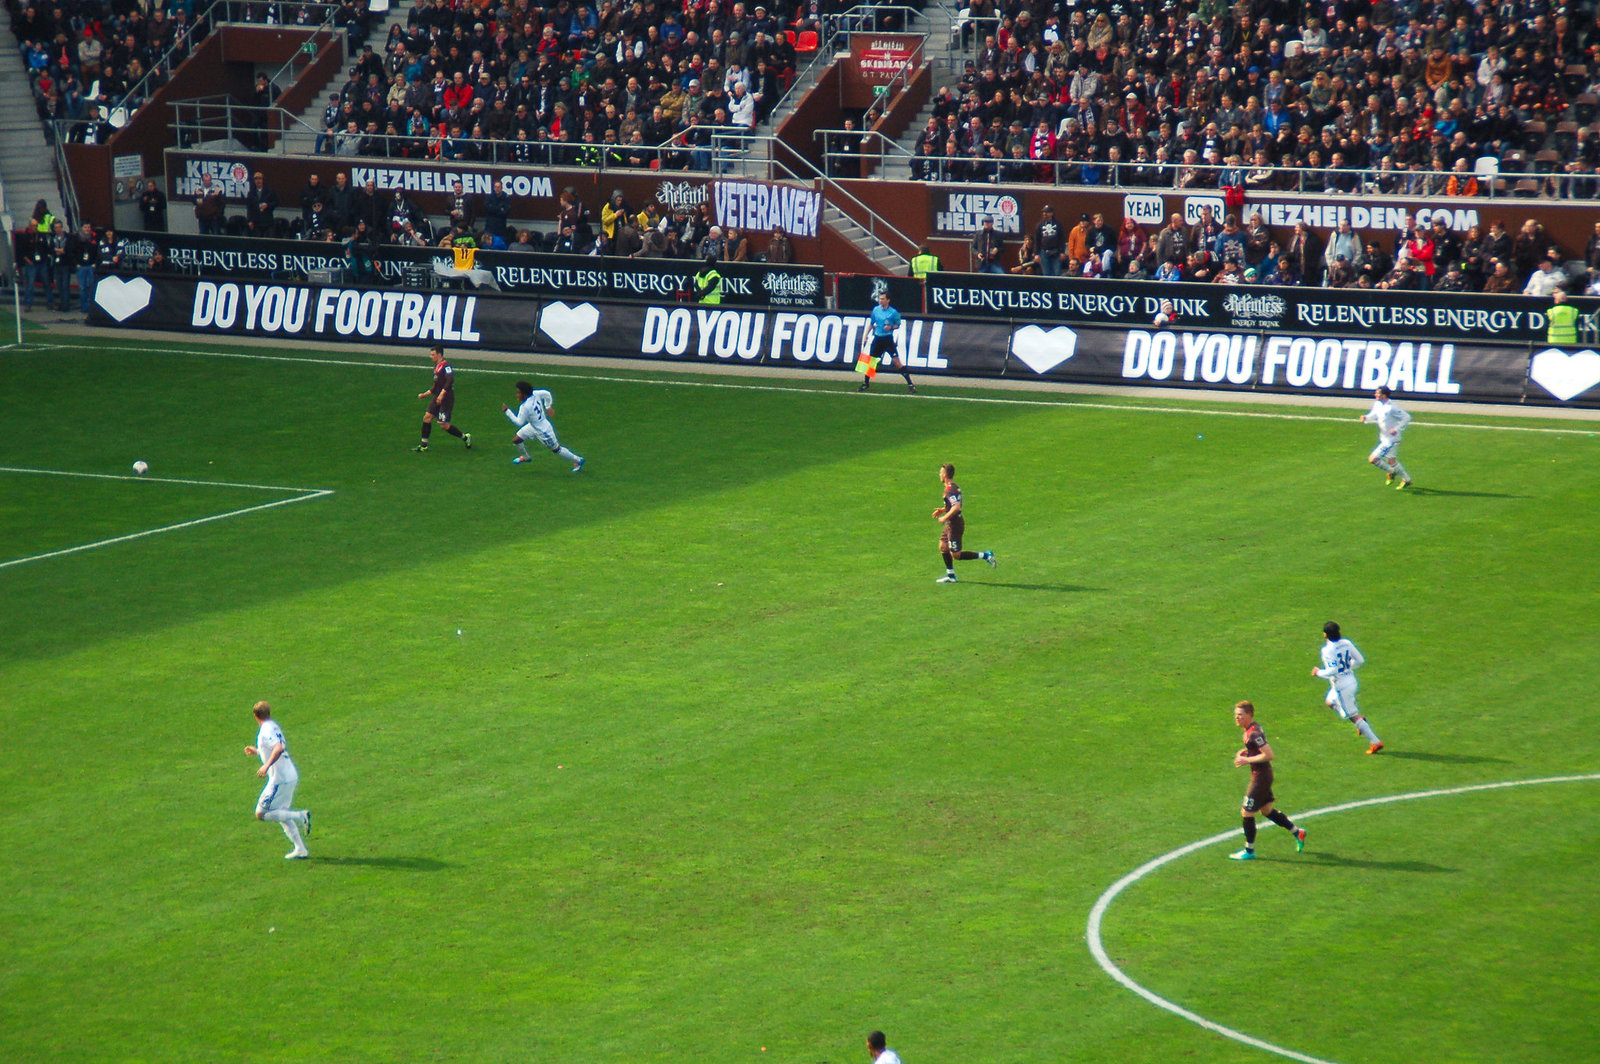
x=955 y=525
x=1257 y=753
x=1391 y=422
x=532 y=421
x=441 y=400
x=278 y=769
x=1340 y=660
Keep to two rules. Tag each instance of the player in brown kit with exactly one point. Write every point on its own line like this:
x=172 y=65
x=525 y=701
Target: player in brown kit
x=955 y=525
x=1257 y=753
x=441 y=398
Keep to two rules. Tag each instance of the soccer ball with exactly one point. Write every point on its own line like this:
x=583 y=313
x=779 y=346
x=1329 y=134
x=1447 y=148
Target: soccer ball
x=141 y=467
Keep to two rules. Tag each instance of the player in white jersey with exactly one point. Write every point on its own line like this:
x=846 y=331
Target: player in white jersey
x=1340 y=660
x=281 y=775
x=533 y=423
x=1391 y=422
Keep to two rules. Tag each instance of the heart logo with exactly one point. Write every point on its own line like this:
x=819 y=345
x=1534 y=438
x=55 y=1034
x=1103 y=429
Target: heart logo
x=1565 y=376
x=122 y=299
x=1042 y=350
x=569 y=326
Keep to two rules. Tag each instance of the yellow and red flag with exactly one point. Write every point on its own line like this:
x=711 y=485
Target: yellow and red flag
x=868 y=365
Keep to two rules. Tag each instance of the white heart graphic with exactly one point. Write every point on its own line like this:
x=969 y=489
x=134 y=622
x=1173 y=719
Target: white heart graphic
x=1042 y=350
x=1565 y=376
x=569 y=326
x=122 y=299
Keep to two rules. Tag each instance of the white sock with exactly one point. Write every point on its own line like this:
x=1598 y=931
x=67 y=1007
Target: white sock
x=292 y=829
x=1400 y=471
x=523 y=448
x=280 y=816
x=1366 y=730
x=568 y=455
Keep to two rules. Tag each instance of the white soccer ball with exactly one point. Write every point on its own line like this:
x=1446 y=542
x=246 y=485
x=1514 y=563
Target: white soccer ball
x=141 y=467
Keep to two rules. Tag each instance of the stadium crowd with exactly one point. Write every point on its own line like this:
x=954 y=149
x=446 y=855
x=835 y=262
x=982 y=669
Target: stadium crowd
x=95 y=62
x=634 y=84
x=1342 y=97
x=1221 y=250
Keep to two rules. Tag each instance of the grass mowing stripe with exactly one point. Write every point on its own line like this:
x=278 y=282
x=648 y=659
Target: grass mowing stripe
x=165 y=528
x=922 y=397
x=1097 y=914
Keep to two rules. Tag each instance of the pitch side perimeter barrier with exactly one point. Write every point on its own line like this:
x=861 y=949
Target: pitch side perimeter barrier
x=933 y=346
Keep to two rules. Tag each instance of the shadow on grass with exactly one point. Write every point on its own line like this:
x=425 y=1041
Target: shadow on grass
x=1064 y=589
x=1414 y=490
x=1445 y=759
x=1323 y=857
x=399 y=864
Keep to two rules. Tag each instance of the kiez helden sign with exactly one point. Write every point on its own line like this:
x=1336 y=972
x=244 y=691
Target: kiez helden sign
x=1331 y=311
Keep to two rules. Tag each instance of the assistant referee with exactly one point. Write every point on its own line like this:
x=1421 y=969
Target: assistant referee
x=885 y=320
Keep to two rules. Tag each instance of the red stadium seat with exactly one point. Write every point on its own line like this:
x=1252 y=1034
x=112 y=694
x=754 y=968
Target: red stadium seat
x=807 y=41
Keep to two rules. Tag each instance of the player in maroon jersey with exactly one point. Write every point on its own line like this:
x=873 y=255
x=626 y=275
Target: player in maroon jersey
x=441 y=399
x=955 y=526
x=1257 y=753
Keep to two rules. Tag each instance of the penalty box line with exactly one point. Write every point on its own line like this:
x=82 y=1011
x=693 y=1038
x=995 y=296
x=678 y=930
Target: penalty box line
x=1263 y=415
x=301 y=495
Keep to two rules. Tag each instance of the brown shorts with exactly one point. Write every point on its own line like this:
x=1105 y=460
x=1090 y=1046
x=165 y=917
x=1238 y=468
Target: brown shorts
x=441 y=411
x=950 y=538
x=1259 y=794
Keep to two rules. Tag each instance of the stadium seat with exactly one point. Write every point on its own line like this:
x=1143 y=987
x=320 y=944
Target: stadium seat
x=1526 y=187
x=807 y=42
x=789 y=34
x=1533 y=134
x=1487 y=166
x=1546 y=161
x=1586 y=107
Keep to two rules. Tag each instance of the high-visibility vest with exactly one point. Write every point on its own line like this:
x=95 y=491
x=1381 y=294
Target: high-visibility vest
x=465 y=256
x=711 y=282
x=922 y=265
x=1563 y=325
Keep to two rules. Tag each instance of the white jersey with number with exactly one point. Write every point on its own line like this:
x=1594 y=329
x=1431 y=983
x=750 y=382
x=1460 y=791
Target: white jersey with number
x=532 y=419
x=1340 y=660
x=1390 y=419
x=267 y=740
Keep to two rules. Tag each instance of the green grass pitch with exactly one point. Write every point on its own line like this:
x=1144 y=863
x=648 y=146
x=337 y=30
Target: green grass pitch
x=687 y=758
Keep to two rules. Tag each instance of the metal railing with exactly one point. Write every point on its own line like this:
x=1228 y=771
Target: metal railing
x=302 y=57
x=1200 y=179
x=870 y=145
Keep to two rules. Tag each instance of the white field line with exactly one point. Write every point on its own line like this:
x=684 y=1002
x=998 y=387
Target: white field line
x=1097 y=914
x=302 y=495
x=803 y=390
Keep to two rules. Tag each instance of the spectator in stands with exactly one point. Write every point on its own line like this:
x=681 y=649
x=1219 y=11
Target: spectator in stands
x=208 y=208
x=986 y=248
x=153 y=208
x=1049 y=241
x=57 y=251
x=84 y=256
x=1545 y=281
x=780 y=249
x=496 y=210
x=261 y=206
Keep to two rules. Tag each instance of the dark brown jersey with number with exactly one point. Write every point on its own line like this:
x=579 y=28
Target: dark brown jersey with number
x=444 y=383
x=958 y=522
x=1254 y=741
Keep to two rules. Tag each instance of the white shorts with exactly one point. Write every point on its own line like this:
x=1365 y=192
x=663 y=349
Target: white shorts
x=1342 y=700
x=546 y=436
x=1387 y=448
x=277 y=794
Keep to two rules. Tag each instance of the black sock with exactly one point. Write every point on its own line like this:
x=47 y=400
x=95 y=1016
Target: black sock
x=968 y=555
x=452 y=430
x=949 y=562
x=1249 y=832
x=907 y=375
x=427 y=430
x=1281 y=820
